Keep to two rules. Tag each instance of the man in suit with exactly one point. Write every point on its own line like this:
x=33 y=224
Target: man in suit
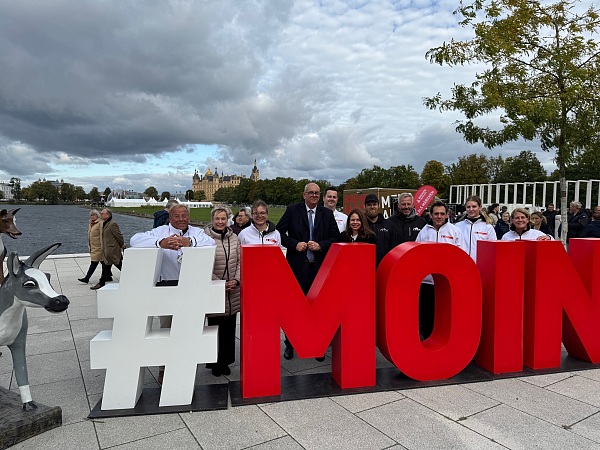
x=306 y=248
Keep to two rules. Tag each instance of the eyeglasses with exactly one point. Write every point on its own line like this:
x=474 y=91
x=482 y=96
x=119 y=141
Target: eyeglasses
x=313 y=193
x=262 y=213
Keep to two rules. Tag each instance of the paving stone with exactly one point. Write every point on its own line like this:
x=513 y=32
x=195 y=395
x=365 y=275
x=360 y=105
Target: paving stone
x=180 y=439
x=517 y=430
x=283 y=443
x=83 y=312
x=453 y=401
x=6 y=365
x=592 y=374
x=47 y=322
x=83 y=298
x=120 y=430
x=588 y=428
x=5 y=380
x=538 y=402
x=416 y=427
x=322 y=423
x=80 y=435
x=82 y=347
x=54 y=341
x=547 y=380
x=234 y=428
x=52 y=367
x=69 y=395
x=89 y=328
x=361 y=402
x=580 y=388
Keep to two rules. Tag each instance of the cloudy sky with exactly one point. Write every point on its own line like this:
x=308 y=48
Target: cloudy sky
x=128 y=94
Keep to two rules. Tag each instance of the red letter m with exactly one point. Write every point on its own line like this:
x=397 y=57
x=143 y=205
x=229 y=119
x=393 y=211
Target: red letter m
x=340 y=306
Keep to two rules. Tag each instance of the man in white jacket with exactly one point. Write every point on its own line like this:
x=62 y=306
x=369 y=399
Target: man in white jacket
x=178 y=233
x=442 y=231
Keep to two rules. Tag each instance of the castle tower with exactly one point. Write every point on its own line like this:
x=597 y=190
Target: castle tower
x=255 y=173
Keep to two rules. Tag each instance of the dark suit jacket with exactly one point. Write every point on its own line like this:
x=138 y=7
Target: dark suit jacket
x=293 y=227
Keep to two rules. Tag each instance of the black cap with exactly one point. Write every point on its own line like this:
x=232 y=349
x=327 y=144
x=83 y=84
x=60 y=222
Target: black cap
x=371 y=198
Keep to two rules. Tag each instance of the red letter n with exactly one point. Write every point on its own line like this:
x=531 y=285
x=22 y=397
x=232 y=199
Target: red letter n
x=561 y=294
x=340 y=306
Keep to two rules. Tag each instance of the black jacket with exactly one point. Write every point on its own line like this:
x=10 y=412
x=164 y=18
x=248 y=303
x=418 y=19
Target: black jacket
x=577 y=222
x=592 y=230
x=376 y=226
x=396 y=230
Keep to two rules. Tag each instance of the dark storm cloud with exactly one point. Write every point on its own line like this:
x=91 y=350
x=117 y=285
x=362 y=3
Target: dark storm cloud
x=120 y=78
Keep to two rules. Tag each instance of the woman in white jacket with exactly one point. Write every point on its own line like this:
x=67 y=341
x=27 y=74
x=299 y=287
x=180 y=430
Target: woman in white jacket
x=520 y=229
x=476 y=226
x=262 y=230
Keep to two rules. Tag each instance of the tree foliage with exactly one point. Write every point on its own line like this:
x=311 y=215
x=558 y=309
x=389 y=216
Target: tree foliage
x=94 y=194
x=200 y=196
x=523 y=167
x=394 y=177
x=16 y=188
x=434 y=174
x=165 y=195
x=542 y=74
x=151 y=191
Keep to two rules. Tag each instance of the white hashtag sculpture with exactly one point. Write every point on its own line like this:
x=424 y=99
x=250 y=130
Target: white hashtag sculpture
x=133 y=345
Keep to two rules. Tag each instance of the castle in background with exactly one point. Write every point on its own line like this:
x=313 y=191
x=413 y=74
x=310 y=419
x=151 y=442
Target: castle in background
x=211 y=183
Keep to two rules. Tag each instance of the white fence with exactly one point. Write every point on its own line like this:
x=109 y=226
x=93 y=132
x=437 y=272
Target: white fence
x=538 y=194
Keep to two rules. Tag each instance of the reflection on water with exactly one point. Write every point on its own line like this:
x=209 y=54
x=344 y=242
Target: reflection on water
x=43 y=225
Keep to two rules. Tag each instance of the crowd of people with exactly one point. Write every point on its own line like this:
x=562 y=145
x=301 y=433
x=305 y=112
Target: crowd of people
x=307 y=230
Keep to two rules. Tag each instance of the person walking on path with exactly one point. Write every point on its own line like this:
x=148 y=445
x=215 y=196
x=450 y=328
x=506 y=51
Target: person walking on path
x=94 y=244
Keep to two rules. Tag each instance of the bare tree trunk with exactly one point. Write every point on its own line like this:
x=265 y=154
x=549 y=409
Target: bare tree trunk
x=563 y=207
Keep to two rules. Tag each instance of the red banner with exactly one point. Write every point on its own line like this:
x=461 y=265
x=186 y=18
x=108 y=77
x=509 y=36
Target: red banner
x=424 y=196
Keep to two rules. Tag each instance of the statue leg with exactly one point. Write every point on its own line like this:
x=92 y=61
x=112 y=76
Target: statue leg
x=17 y=350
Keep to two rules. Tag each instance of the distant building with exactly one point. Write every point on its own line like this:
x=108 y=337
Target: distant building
x=211 y=183
x=6 y=189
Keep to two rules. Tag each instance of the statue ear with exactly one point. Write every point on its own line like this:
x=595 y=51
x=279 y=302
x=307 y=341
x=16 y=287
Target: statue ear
x=13 y=264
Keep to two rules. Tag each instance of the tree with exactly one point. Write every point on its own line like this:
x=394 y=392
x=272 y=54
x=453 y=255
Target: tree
x=521 y=168
x=542 y=74
x=106 y=192
x=224 y=194
x=67 y=192
x=43 y=190
x=16 y=188
x=165 y=195
x=471 y=169
x=151 y=192
x=189 y=195
x=435 y=175
x=200 y=195
x=94 y=194
x=79 y=193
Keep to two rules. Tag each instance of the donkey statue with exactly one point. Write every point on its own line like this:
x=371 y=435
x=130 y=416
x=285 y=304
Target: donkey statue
x=26 y=285
x=8 y=227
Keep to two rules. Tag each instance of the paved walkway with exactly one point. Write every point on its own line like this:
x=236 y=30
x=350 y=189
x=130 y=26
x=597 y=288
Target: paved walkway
x=558 y=411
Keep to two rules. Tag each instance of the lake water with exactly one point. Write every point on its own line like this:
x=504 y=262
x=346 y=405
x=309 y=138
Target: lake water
x=43 y=225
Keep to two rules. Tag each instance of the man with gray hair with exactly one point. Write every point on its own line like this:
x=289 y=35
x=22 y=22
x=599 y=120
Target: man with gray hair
x=404 y=226
x=577 y=220
x=162 y=217
x=241 y=220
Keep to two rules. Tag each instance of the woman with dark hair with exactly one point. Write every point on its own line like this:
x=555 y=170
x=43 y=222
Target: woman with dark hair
x=538 y=222
x=520 y=229
x=503 y=225
x=226 y=267
x=475 y=227
x=492 y=212
x=357 y=229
